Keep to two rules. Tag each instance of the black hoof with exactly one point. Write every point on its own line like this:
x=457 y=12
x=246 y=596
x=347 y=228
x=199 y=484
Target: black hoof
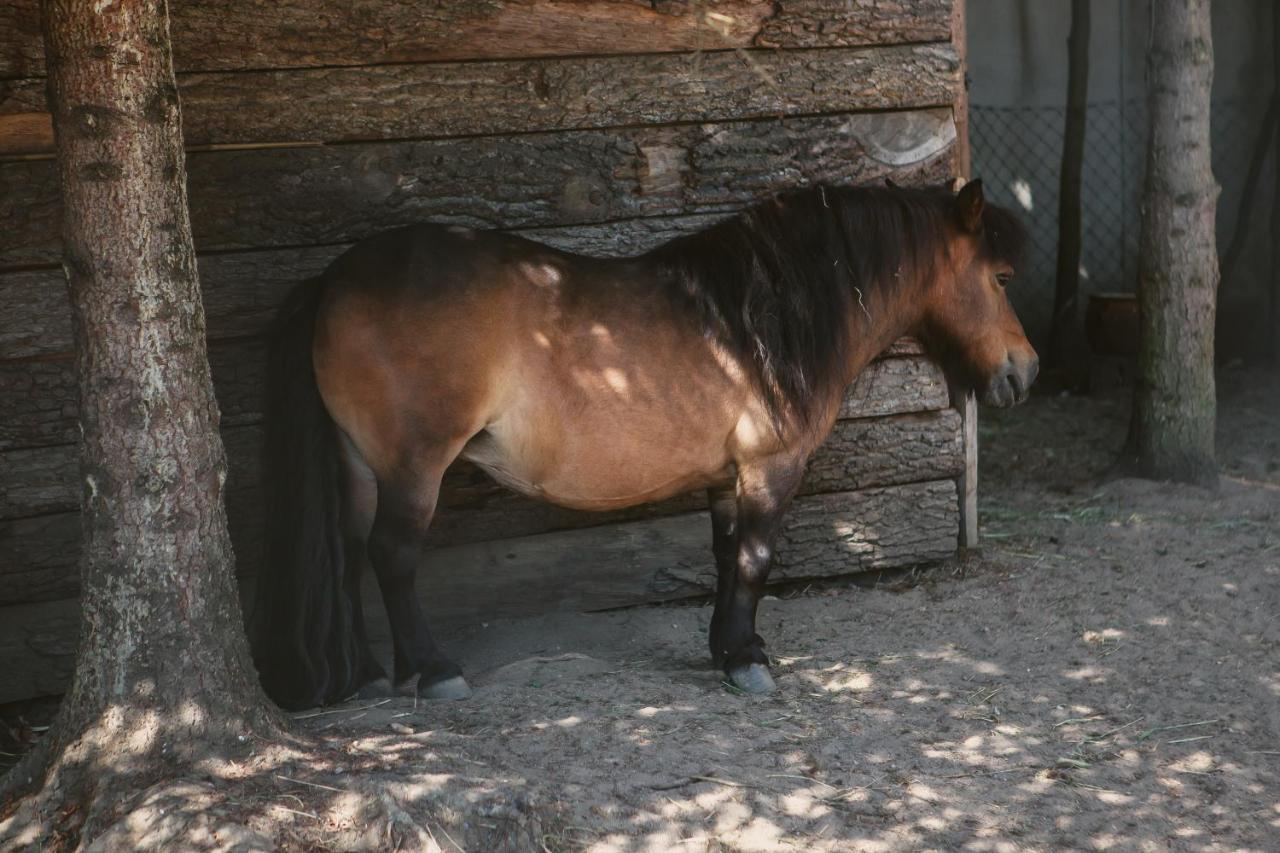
x=753 y=678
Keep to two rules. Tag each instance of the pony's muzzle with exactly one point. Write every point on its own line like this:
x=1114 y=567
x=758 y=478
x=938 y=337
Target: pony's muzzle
x=1012 y=383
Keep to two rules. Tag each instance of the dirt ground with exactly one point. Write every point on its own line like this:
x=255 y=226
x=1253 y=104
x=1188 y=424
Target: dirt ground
x=1106 y=675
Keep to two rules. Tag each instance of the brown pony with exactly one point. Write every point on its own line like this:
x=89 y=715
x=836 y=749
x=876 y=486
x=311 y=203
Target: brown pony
x=717 y=361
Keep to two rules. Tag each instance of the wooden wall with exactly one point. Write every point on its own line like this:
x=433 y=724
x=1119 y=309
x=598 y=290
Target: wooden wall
x=604 y=126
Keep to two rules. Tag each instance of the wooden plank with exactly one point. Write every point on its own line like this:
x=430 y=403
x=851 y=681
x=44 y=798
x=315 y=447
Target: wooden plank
x=37 y=648
x=611 y=566
x=38 y=553
x=967 y=482
x=39 y=397
x=42 y=481
x=251 y=34
x=39 y=556
x=476 y=98
x=331 y=194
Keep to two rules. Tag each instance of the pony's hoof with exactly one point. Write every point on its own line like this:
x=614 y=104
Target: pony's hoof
x=376 y=689
x=450 y=688
x=753 y=678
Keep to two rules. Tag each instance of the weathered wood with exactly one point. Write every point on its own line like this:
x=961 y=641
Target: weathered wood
x=251 y=34
x=38 y=397
x=241 y=292
x=44 y=480
x=330 y=194
x=37 y=648
x=967 y=482
x=895 y=385
x=474 y=98
x=814 y=23
x=38 y=554
x=610 y=566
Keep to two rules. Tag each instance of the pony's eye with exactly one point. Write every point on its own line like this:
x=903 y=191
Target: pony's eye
x=1003 y=278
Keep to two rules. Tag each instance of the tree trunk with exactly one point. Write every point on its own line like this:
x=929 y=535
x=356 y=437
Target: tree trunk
x=163 y=674
x=1272 y=328
x=1174 y=402
x=1067 y=285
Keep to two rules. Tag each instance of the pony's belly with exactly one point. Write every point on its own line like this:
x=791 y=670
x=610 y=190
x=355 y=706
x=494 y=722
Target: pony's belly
x=580 y=476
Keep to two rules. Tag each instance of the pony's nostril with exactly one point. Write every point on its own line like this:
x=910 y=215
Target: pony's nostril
x=1015 y=383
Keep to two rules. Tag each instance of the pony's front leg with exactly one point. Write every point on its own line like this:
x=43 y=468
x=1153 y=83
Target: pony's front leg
x=723 y=502
x=764 y=492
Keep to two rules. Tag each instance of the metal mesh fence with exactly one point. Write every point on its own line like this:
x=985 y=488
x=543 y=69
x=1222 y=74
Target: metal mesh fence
x=1017 y=152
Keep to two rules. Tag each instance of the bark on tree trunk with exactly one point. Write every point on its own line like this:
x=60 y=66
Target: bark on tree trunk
x=163 y=673
x=1067 y=285
x=1171 y=437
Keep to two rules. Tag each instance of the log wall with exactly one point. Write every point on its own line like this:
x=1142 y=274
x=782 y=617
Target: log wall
x=600 y=126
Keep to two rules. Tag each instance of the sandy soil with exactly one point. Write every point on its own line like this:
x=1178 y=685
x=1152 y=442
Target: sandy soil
x=1106 y=675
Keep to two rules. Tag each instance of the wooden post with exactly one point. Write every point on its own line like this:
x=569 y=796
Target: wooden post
x=1064 y=331
x=964 y=401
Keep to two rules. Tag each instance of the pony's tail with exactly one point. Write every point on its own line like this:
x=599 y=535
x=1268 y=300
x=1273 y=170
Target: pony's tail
x=300 y=629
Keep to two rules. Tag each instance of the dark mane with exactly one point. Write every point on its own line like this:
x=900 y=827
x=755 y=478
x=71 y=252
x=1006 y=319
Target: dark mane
x=778 y=283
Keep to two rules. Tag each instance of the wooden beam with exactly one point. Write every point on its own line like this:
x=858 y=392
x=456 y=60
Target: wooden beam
x=478 y=98
x=242 y=35
x=331 y=194
x=610 y=566
x=967 y=482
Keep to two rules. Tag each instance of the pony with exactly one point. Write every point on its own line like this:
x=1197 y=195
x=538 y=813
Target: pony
x=716 y=361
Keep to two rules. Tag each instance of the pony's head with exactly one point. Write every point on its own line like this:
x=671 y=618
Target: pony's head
x=968 y=322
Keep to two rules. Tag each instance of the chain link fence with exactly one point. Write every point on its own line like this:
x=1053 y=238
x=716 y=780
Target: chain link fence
x=1017 y=152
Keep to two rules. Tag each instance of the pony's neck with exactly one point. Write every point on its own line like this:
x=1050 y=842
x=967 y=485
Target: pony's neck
x=878 y=319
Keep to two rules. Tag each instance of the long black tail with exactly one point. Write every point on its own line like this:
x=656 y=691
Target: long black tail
x=300 y=629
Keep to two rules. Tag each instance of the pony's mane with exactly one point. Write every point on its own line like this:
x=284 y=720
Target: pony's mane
x=777 y=283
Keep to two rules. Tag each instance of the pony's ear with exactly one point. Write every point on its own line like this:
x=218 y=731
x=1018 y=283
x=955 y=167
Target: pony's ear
x=969 y=206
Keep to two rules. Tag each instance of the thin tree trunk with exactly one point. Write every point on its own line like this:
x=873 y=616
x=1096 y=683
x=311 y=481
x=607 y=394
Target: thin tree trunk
x=1261 y=148
x=163 y=674
x=1067 y=285
x=1272 y=329
x=1174 y=402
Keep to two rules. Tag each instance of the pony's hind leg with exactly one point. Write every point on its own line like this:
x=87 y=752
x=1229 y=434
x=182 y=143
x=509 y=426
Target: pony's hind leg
x=397 y=544
x=359 y=500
